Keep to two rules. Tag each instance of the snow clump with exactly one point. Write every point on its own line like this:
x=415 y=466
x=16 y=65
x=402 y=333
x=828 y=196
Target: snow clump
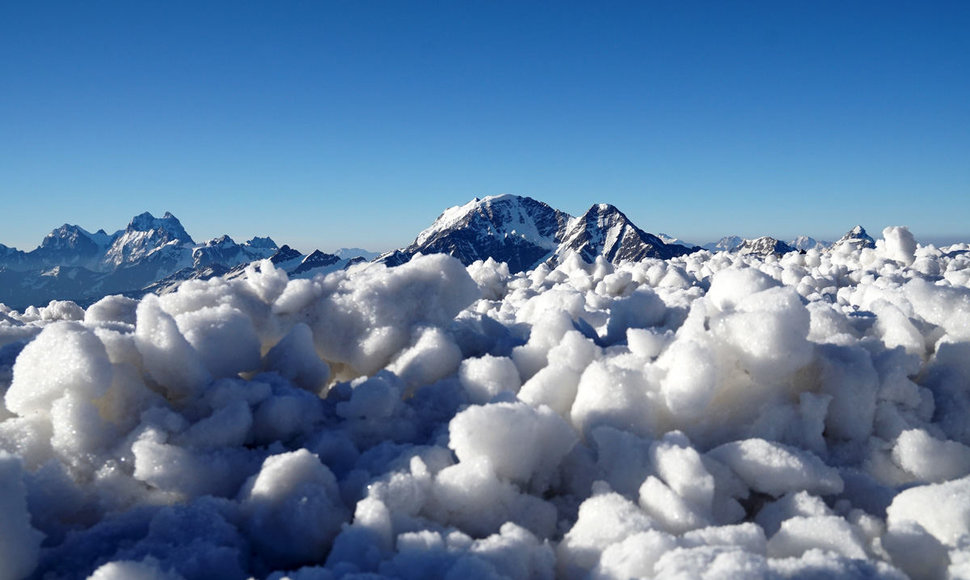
x=710 y=415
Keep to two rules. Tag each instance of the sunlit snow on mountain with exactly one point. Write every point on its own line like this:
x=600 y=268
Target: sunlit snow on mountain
x=595 y=408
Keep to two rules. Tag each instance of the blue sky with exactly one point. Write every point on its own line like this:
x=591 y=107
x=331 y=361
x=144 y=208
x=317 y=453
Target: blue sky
x=328 y=124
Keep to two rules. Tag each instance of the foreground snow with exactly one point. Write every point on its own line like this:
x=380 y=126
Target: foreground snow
x=710 y=415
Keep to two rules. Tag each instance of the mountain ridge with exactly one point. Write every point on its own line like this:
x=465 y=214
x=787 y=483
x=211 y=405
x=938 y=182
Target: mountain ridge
x=154 y=254
x=523 y=233
x=150 y=254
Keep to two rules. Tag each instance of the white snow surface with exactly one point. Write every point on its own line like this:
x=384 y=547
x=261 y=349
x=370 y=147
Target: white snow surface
x=713 y=415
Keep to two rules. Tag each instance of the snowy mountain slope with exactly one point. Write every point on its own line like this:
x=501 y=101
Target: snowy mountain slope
x=856 y=238
x=808 y=243
x=226 y=252
x=351 y=253
x=519 y=231
x=764 y=246
x=150 y=255
x=725 y=244
x=523 y=233
x=315 y=262
x=672 y=240
x=161 y=240
x=605 y=231
x=781 y=418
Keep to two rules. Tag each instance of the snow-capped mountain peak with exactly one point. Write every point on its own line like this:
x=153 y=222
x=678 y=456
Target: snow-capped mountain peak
x=523 y=233
x=167 y=227
x=161 y=240
x=672 y=240
x=509 y=228
x=500 y=215
x=262 y=243
x=857 y=237
x=725 y=244
x=765 y=246
x=605 y=230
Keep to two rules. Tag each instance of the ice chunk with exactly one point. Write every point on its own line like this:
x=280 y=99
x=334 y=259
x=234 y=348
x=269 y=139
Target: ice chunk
x=747 y=536
x=224 y=337
x=769 y=332
x=295 y=358
x=670 y=510
x=899 y=244
x=942 y=509
x=65 y=357
x=635 y=556
x=293 y=509
x=112 y=309
x=168 y=357
x=520 y=442
x=928 y=458
x=714 y=562
x=776 y=469
x=682 y=468
x=147 y=569
x=470 y=495
x=604 y=519
x=800 y=534
x=377 y=397
x=729 y=287
x=915 y=551
x=690 y=381
x=848 y=376
x=789 y=506
x=62 y=310
x=612 y=395
x=433 y=357
x=484 y=378
x=19 y=541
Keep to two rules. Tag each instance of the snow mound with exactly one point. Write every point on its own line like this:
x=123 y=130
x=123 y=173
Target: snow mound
x=726 y=415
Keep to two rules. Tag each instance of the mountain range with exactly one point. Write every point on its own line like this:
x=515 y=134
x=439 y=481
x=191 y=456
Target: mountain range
x=157 y=255
x=150 y=255
x=524 y=233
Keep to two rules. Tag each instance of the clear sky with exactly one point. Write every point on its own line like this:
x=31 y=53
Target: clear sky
x=355 y=123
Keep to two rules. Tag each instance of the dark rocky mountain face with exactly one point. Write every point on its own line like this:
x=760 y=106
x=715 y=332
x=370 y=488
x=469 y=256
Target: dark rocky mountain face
x=317 y=259
x=524 y=233
x=605 y=231
x=157 y=254
x=857 y=237
x=519 y=231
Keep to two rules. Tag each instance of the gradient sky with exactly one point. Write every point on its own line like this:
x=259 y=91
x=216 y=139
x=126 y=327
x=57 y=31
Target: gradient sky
x=329 y=124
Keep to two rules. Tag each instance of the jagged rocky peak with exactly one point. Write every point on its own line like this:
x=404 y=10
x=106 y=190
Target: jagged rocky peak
x=501 y=215
x=857 y=237
x=519 y=231
x=315 y=260
x=262 y=243
x=167 y=227
x=765 y=246
x=321 y=258
x=285 y=254
x=223 y=241
x=66 y=235
x=605 y=230
x=524 y=233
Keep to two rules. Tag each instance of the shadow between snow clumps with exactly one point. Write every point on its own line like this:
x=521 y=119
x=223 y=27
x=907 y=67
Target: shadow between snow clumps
x=716 y=415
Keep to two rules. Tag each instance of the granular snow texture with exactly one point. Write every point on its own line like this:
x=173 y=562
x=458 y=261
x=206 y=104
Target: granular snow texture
x=713 y=415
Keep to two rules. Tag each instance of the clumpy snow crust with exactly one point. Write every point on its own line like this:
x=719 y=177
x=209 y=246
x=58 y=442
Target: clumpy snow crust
x=713 y=415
